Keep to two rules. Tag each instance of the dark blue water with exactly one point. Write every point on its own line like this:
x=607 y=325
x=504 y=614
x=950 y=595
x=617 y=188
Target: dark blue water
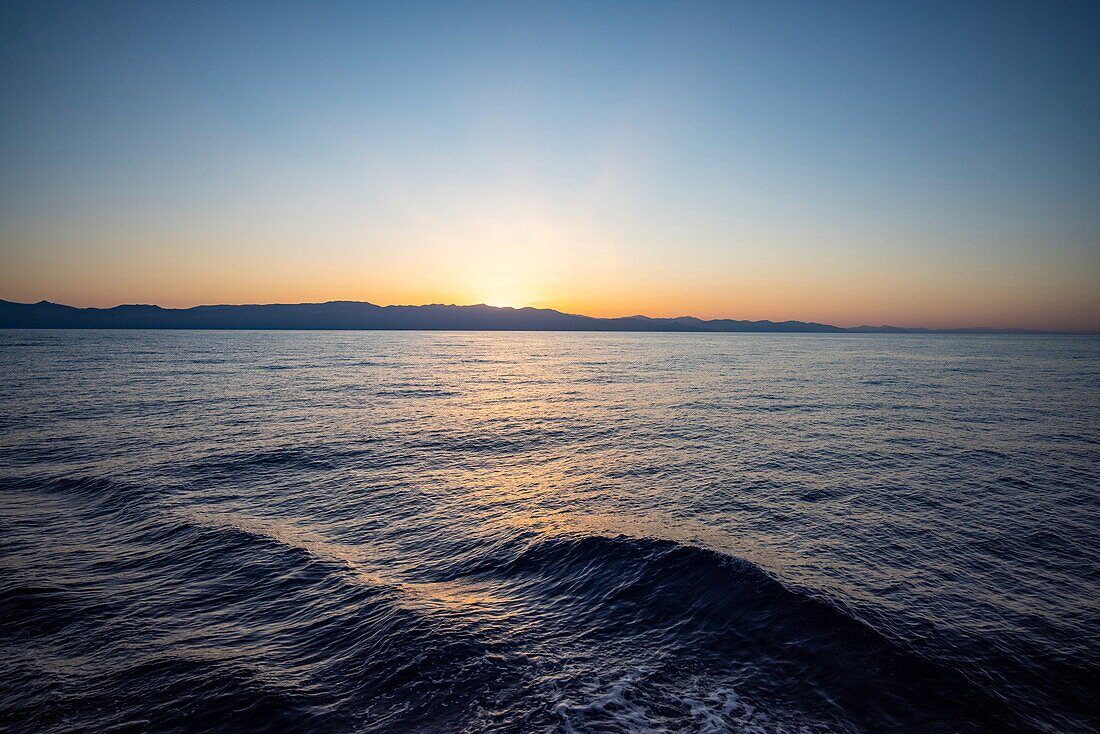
x=526 y=532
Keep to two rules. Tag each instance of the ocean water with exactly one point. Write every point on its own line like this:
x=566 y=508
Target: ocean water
x=548 y=532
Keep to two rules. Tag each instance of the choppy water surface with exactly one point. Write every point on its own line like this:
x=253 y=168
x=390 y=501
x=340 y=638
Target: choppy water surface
x=512 y=532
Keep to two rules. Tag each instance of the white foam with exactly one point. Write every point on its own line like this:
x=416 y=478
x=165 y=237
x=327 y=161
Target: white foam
x=632 y=705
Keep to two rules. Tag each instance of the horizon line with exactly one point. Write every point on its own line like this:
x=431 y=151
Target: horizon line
x=862 y=328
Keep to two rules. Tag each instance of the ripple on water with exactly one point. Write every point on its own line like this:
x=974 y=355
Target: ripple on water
x=362 y=531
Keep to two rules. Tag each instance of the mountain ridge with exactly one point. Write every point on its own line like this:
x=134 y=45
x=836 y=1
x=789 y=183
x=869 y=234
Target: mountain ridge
x=362 y=315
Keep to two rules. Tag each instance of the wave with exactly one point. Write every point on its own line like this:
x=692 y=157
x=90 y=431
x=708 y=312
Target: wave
x=598 y=632
x=415 y=392
x=289 y=459
x=724 y=614
x=167 y=621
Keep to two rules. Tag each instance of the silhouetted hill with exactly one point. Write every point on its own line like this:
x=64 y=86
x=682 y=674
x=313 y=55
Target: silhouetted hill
x=921 y=330
x=361 y=315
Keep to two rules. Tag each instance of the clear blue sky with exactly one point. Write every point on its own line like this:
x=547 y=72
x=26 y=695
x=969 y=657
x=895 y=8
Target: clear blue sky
x=916 y=163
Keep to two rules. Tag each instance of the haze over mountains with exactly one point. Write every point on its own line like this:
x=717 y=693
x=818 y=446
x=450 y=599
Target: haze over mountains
x=362 y=315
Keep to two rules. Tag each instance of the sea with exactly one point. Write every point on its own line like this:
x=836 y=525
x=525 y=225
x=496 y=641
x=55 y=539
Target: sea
x=372 y=531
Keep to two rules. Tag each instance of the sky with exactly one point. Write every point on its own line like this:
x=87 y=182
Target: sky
x=917 y=164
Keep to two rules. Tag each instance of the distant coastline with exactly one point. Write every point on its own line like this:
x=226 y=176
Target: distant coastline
x=360 y=315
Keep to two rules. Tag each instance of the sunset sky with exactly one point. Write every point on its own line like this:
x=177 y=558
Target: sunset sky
x=919 y=164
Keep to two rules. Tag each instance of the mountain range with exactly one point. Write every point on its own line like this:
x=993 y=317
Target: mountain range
x=362 y=315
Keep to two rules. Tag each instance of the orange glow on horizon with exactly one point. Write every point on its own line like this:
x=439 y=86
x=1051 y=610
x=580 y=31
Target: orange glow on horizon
x=775 y=302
